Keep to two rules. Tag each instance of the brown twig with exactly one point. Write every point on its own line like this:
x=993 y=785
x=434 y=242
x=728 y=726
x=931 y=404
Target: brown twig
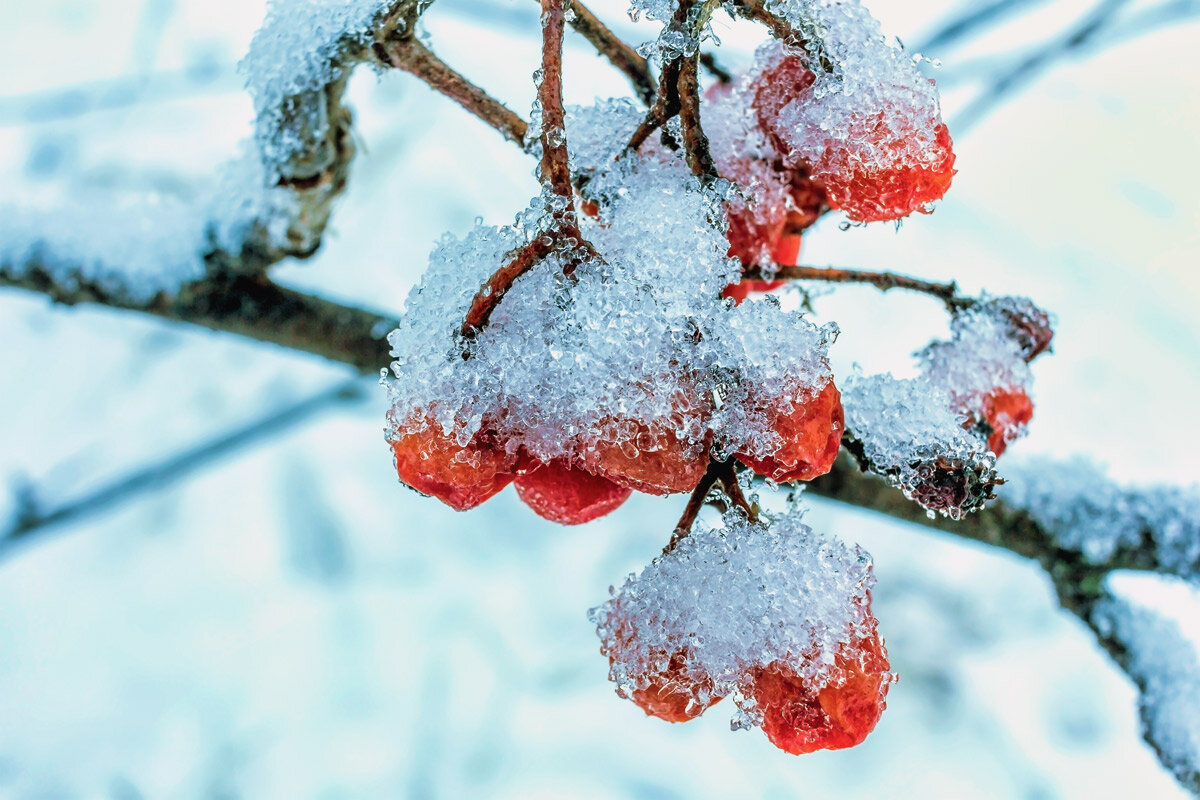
x=490 y=294
x=556 y=171
x=620 y=54
x=665 y=106
x=695 y=502
x=709 y=62
x=755 y=10
x=946 y=292
x=408 y=54
x=555 y=177
x=695 y=141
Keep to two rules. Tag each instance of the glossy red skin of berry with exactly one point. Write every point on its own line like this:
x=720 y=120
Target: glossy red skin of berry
x=786 y=253
x=811 y=433
x=1006 y=411
x=435 y=464
x=673 y=695
x=865 y=192
x=665 y=467
x=566 y=495
x=799 y=719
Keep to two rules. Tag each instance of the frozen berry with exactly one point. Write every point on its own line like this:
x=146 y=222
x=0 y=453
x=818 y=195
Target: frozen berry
x=811 y=430
x=1006 y=412
x=800 y=718
x=567 y=495
x=655 y=460
x=434 y=463
x=876 y=171
x=674 y=694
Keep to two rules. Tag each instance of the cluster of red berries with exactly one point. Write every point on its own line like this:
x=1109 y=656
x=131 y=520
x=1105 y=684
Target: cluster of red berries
x=649 y=457
x=798 y=714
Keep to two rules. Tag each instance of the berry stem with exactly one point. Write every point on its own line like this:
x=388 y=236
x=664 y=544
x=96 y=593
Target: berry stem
x=695 y=141
x=723 y=472
x=556 y=172
x=946 y=292
x=755 y=10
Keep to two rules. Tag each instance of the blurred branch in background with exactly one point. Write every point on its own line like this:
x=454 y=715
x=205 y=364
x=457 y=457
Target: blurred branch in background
x=33 y=518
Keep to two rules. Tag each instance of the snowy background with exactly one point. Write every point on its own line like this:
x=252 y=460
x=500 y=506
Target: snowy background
x=290 y=622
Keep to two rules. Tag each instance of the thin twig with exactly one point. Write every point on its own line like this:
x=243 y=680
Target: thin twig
x=975 y=18
x=946 y=292
x=492 y=292
x=408 y=54
x=709 y=62
x=161 y=474
x=695 y=141
x=1030 y=68
x=620 y=54
x=556 y=171
x=695 y=502
x=755 y=10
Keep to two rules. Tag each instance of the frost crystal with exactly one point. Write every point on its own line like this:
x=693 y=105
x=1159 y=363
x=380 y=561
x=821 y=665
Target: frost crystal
x=734 y=599
x=1087 y=512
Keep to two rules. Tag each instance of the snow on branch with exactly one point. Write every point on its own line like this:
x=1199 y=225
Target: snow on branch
x=1165 y=667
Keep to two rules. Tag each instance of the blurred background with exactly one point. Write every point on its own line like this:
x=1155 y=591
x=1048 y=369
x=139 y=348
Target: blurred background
x=286 y=620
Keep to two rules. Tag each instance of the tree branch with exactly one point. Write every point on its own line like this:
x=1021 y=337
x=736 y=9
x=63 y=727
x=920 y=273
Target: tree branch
x=249 y=306
x=884 y=281
x=32 y=520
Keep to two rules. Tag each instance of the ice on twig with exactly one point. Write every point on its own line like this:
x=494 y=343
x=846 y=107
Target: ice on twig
x=908 y=432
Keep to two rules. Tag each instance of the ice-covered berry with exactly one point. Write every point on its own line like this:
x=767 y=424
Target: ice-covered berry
x=866 y=125
x=810 y=427
x=434 y=463
x=568 y=495
x=674 y=694
x=800 y=717
x=651 y=458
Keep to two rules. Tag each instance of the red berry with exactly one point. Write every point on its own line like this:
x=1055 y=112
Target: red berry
x=654 y=460
x=435 y=464
x=775 y=88
x=811 y=431
x=1006 y=412
x=569 y=496
x=740 y=291
x=799 y=718
x=873 y=175
x=674 y=695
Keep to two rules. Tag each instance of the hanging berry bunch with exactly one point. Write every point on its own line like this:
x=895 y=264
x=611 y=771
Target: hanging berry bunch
x=608 y=342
